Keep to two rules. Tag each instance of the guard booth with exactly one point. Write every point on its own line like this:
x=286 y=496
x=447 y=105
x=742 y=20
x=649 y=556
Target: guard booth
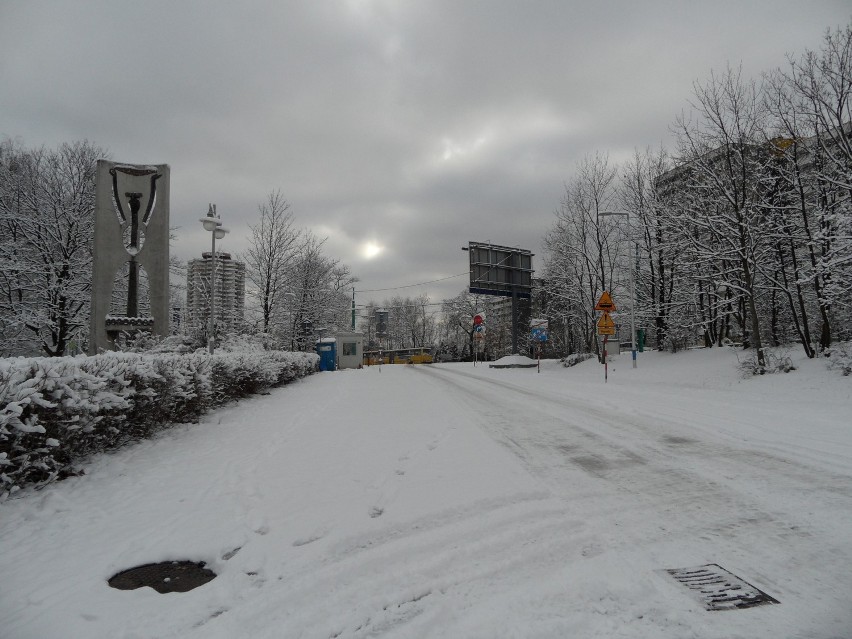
x=350 y=352
x=613 y=347
x=327 y=351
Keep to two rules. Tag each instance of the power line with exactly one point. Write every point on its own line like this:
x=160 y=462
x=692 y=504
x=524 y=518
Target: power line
x=415 y=305
x=396 y=288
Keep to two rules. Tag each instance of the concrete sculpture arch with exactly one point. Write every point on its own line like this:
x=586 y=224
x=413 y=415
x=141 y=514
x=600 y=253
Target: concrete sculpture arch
x=131 y=225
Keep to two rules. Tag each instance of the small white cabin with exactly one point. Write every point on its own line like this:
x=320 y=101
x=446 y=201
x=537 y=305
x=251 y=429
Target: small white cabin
x=350 y=349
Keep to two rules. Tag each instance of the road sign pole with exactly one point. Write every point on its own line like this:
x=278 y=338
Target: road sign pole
x=632 y=280
x=606 y=360
x=632 y=309
x=477 y=336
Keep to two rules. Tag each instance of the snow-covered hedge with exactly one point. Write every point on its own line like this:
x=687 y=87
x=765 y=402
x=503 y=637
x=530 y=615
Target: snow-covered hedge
x=840 y=358
x=777 y=360
x=55 y=410
x=575 y=358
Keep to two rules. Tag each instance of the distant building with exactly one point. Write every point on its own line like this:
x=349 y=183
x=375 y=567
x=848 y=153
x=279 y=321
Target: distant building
x=498 y=336
x=176 y=323
x=230 y=293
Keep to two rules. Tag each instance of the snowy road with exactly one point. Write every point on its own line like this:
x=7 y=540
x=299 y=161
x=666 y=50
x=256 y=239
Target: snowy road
x=453 y=501
x=668 y=489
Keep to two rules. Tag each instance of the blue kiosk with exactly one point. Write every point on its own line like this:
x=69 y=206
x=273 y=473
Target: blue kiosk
x=327 y=351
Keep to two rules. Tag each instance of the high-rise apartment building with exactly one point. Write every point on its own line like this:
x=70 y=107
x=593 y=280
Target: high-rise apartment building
x=230 y=292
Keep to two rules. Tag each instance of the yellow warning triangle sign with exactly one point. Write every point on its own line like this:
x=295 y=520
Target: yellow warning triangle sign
x=606 y=321
x=605 y=303
x=605 y=325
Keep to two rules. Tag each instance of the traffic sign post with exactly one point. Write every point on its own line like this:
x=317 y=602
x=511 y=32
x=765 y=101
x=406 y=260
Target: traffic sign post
x=606 y=325
x=538 y=334
x=478 y=335
x=538 y=329
x=605 y=303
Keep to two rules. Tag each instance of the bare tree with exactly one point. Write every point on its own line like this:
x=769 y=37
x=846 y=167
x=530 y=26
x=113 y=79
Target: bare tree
x=661 y=267
x=747 y=235
x=413 y=324
x=274 y=247
x=812 y=104
x=583 y=249
x=790 y=216
x=319 y=286
x=47 y=200
x=724 y=161
x=458 y=333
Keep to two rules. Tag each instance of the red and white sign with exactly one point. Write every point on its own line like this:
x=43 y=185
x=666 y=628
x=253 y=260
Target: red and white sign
x=477 y=320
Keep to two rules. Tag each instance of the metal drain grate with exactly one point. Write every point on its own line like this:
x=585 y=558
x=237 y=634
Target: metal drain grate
x=718 y=589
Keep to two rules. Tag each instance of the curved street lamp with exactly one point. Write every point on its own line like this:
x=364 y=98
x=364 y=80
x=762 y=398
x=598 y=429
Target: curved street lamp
x=213 y=224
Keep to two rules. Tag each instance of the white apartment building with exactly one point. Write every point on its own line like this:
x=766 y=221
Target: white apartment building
x=230 y=292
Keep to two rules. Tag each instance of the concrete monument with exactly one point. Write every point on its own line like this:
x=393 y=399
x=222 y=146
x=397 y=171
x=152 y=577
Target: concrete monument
x=131 y=241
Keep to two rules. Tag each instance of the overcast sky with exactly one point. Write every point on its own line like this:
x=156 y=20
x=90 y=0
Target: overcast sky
x=408 y=127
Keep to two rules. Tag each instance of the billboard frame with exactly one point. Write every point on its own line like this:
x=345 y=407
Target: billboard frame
x=500 y=270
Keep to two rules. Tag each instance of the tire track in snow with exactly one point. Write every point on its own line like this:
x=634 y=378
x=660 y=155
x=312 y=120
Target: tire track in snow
x=658 y=439
x=711 y=499
x=404 y=574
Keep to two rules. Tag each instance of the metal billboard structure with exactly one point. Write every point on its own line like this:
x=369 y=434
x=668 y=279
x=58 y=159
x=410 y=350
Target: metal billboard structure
x=504 y=271
x=381 y=323
x=499 y=270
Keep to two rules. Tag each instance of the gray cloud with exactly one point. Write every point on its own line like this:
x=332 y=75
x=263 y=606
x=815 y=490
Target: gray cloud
x=416 y=125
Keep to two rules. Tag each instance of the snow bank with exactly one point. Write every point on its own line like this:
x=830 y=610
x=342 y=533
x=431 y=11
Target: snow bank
x=55 y=410
x=514 y=361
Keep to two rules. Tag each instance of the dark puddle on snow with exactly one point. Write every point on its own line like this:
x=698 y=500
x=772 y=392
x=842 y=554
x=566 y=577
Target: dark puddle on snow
x=167 y=576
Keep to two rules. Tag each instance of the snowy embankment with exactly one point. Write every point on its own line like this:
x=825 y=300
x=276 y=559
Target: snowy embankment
x=453 y=501
x=53 y=411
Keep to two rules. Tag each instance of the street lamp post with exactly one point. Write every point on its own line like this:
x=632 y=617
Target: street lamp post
x=632 y=286
x=213 y=224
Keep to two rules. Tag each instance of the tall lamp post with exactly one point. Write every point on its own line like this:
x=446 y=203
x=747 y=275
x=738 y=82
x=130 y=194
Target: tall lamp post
x=632 y=286
x=213 y=224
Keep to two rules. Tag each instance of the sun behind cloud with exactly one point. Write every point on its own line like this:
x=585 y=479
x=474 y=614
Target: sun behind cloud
x=370 y=250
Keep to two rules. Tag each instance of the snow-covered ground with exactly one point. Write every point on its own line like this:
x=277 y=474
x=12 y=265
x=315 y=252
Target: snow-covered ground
x=460 y=501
